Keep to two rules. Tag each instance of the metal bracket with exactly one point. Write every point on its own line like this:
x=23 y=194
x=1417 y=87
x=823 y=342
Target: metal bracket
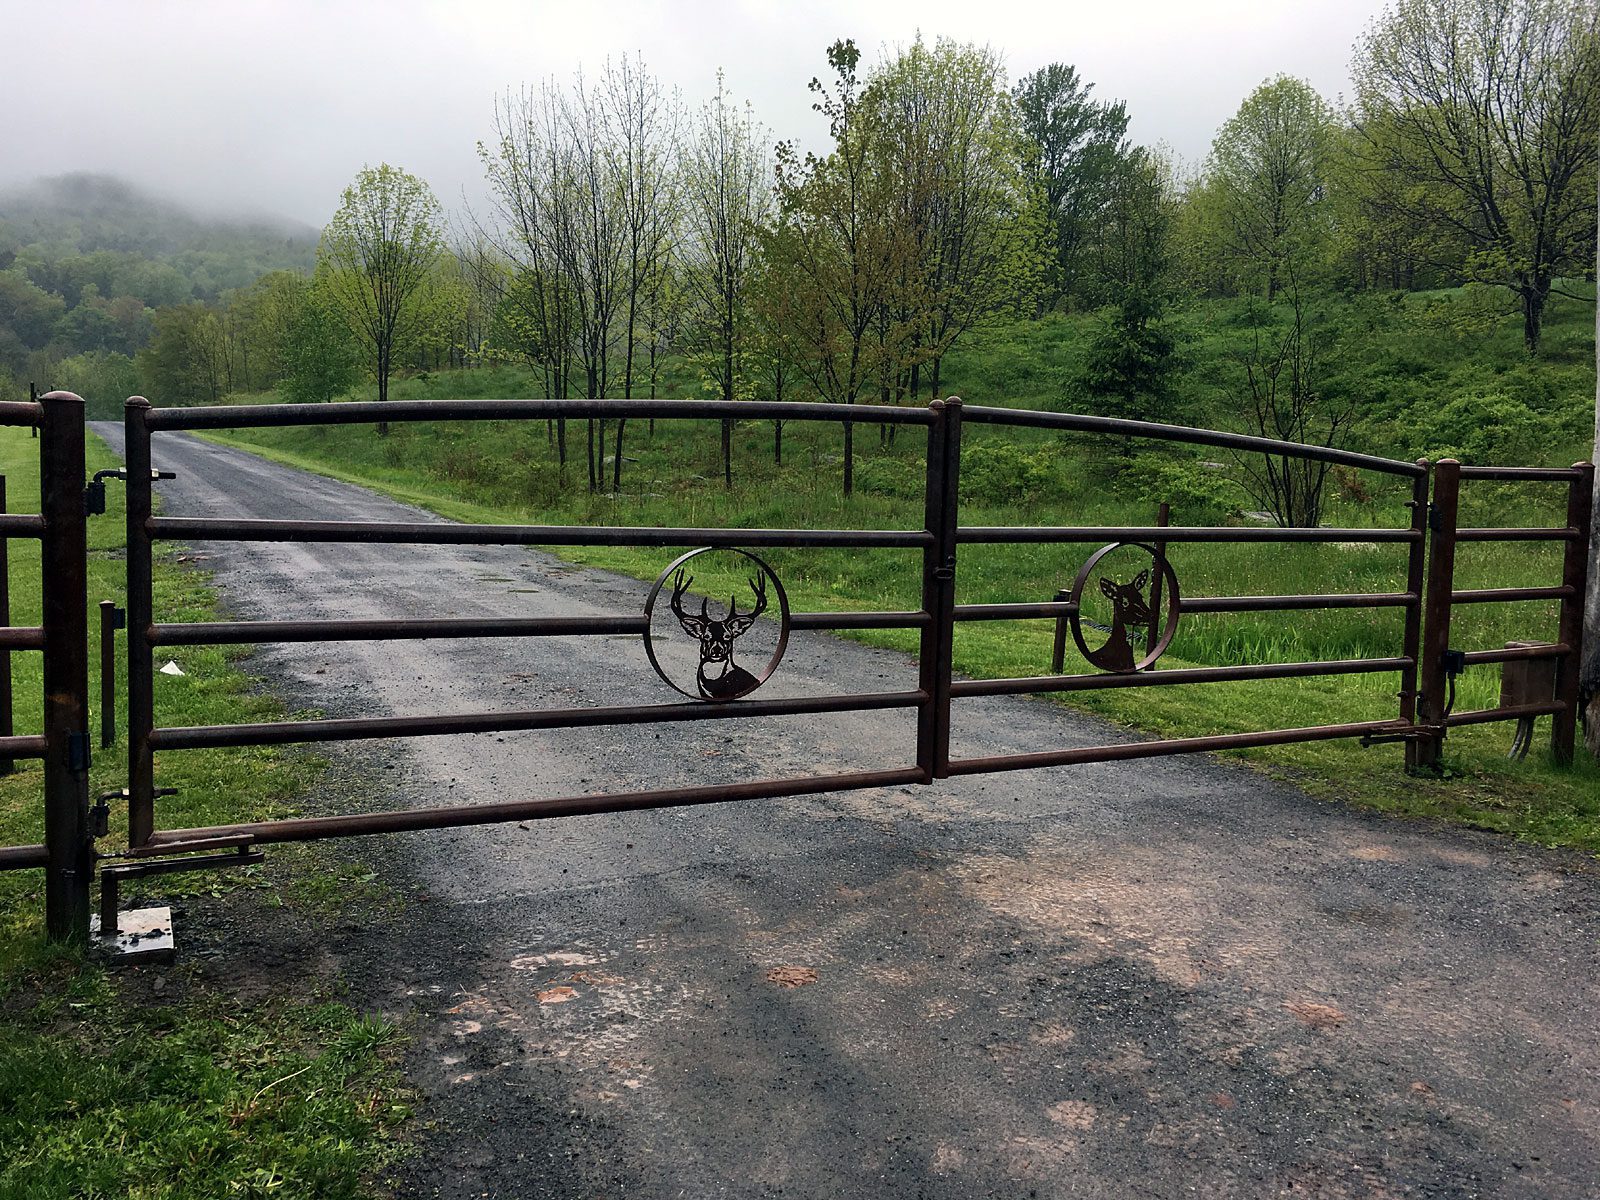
x=94 y=492
x=78 y=756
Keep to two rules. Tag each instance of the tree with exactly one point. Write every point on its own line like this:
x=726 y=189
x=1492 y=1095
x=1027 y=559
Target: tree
x=1269 y=167
x=1589 y=672
x=1129 y=365
x=1286 y=397
x=375 y=260
x=1077 y=144
x=1490 y=109
x=727 y=201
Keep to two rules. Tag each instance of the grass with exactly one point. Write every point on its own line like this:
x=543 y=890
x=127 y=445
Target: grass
x=505 y=472
x=105 y=1091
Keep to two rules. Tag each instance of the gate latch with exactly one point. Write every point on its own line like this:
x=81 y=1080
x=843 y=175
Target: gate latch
x=94 y=492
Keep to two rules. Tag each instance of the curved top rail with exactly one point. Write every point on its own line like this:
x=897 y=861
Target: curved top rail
x=1185 y=433
x=246 y=416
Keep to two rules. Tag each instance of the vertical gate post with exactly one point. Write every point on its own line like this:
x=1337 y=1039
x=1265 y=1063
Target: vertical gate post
x=1416 y=580
x=1574 y=576
x=66 y=669
x=942 y=513
x=1442 y=521
x=141 y=655
x=6 y=726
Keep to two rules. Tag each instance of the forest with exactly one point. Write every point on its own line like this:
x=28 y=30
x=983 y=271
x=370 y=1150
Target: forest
x=1408 y=271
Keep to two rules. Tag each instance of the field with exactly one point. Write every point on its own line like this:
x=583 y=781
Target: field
x=157 y=1083
x=1469 y=388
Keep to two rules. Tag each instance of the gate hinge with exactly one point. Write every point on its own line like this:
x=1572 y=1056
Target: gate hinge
x=1435 y=521
x=77 y=751
x=1454 y=662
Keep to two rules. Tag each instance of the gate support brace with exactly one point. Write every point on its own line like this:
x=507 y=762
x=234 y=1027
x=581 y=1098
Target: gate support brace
x=146 y=934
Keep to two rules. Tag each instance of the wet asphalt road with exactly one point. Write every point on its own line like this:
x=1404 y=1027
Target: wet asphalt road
x=1163 y=979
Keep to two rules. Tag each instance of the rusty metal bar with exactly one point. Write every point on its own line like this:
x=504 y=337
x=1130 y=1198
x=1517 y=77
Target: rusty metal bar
x=1483 y=716
x=21 y=412
x=1014 y=612
x=20 y=637
x=21 y=525
x=7 y=715
x=65 y=560
x=22 y=858
x=1574 y=579
x=241 y=633
x=303 y=829
x=141 y=655
x=1516 y=535
x=1152 y=634
x=1523 y=474
x=1194 y=604
x=1432 y=683
x=1514 y=654
x=1169 y=746
x=429 y=533
x=282 y=733
x=1080 y=423
x=1002 y=534
x=942 y=516
x=1154 y=678
x=258 y=416
x=23 y=745
x=1497 y=595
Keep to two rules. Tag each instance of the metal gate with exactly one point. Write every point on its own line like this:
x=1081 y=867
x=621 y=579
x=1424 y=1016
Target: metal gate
x=1144 y=613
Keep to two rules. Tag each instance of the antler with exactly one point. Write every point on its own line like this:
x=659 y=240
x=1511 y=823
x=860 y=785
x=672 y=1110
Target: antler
x=758 y=585
x=680 y=585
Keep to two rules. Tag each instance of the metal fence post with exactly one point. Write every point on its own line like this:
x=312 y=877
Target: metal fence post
x=7 y=725
x=66 y=669
x=1416 y=580
x=1574 y=575
x=941 y=508
x=141 y=655
x=108 y=673
x=1442 y=521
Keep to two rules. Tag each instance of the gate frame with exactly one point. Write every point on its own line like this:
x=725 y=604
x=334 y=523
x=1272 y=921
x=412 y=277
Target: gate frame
x=1426 y=663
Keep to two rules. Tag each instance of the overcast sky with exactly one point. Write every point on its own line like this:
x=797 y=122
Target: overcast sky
x=273 y=106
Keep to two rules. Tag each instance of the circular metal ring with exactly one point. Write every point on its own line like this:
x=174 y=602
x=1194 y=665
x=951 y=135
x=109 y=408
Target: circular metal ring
x=1118 y=655
x=716 y=639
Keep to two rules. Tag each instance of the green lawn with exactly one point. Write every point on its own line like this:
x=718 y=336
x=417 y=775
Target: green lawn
x=109 y=1091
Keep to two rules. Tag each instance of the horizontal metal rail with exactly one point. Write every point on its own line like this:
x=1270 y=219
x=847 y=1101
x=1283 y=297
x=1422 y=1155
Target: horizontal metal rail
x=1496 y=595
x=341 y=729
x=1193 y=604
x=21 y=858
x=1081 y=423
x=302 y=829
x=1158 y=749
x=257 y=416
x=1175 y=533
x=22 y=746
x=1523 y=474
x=1483 y=716
x=22 y=637
x=1516 y=535
x=1516 y=653
x=429 y=533
x=244 y=633
x=21 y=412
x=21 y=525
x=1151 y=678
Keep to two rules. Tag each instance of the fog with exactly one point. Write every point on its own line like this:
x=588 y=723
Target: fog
x=251 y=107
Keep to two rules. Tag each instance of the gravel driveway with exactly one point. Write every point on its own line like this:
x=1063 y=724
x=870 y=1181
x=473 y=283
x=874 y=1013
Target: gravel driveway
x=1155 y=979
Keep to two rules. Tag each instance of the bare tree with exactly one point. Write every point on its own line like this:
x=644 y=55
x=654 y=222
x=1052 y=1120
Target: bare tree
x=727 y=201
x=376 y=257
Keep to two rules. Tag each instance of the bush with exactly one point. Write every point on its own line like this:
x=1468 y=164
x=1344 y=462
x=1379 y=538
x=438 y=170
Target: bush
x=1001 y=472
x=1490 y=428
x=1198 y=495
x=898 y=478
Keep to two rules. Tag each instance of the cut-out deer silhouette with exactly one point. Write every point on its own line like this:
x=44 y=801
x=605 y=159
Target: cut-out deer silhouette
x=719 y=677
x=1129 y=607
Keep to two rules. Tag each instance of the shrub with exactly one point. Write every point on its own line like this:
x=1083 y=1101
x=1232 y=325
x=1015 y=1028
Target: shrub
x=1199 y=495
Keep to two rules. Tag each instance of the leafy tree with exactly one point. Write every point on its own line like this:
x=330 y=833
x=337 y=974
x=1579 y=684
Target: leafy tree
x=1269 y=167
x=1129 y=367
x=318 y=355
x=375 y=260
x=1077 y=147
x=186 y=360
x=1489 y=110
